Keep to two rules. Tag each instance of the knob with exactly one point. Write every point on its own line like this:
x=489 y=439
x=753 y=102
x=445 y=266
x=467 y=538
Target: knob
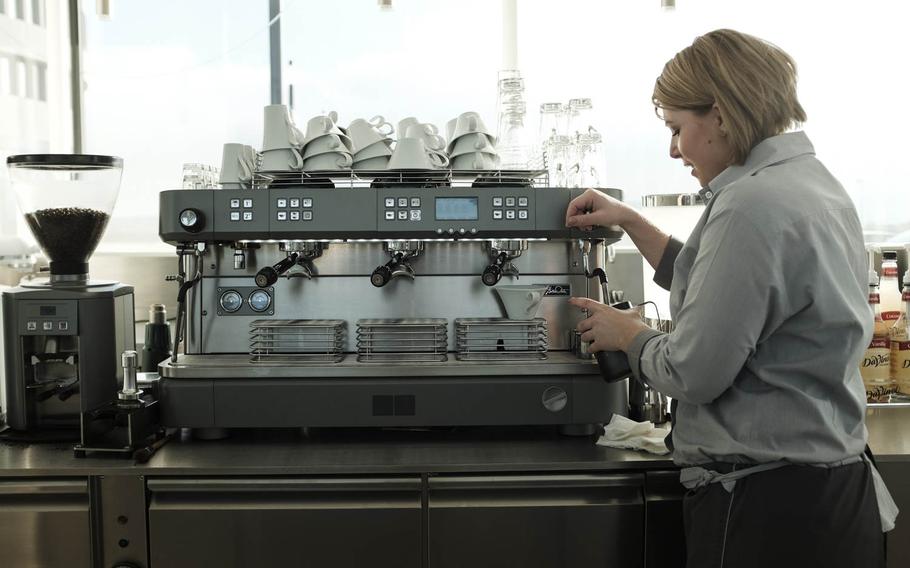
x=491 y=275
x=381 y=276
x=191 y=220
x=554 y=399
x=266 y=277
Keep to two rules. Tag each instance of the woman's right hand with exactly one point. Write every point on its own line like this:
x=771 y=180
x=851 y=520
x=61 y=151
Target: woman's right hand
x=596 y=209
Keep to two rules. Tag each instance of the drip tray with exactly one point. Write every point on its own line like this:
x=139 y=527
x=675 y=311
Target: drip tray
x=298 y=342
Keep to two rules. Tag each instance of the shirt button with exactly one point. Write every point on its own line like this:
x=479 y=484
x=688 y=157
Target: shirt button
x=709 y=194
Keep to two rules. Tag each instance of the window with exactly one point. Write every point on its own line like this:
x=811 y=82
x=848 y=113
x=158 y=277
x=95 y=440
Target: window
x=41 y=80
x=2 y=6
x=20 y=9
x=37 y=12
x=5 y=75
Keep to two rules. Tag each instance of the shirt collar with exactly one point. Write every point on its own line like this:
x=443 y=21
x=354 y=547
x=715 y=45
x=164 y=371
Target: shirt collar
x=769 y=151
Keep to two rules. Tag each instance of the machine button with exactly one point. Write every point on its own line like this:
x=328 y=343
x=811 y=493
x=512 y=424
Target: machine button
x=47 y=325
x=247 y=215
x=307 y=215
x=390 y=202
x=32 y=326
x=307 y=201
x=473 y=230
x=295 y=202
x=235 y=203
x=415 y=202
x=247 y=203
x=282 y=203
x=63 y=326
x=510 y=202
x=439 y=231
x=522 y=201
x=282 y=215
x=403 y=214
x=554 y=399
x=295 y=215
x=235 y=215
x=451 y=231
x=497 y=213
x=497 y=202
x=415 y=214
x=402 y=201
x=389 y=215
x=522 y=213
x=510 y=214
x=462 y=231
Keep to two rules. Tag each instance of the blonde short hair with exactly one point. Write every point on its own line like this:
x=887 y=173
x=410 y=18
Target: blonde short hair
x=752 y=81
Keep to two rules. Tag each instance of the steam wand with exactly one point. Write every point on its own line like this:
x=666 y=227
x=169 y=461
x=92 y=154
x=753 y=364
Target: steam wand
x=185 y=286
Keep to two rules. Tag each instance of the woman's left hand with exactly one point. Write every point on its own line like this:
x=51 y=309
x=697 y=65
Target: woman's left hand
x=606 y=328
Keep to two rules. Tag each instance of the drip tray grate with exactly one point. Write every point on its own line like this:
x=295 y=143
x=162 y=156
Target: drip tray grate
x=402 y=340
x=499 y=339
x=297 y=341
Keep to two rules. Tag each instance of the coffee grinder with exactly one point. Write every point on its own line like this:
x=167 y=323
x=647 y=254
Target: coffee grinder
x=64 y=335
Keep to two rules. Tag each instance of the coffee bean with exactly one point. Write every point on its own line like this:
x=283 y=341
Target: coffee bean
x=69 y=233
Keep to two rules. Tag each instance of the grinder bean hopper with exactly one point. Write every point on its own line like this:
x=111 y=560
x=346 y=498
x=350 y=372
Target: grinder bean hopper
x=64 y=335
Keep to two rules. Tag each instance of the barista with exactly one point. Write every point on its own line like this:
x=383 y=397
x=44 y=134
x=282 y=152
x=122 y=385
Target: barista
x=768 y=297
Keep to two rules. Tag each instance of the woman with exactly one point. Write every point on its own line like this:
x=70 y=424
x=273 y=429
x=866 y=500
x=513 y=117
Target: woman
x=769 y=300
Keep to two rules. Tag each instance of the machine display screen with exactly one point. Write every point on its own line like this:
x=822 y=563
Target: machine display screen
x=48 y=310
x=456 y=208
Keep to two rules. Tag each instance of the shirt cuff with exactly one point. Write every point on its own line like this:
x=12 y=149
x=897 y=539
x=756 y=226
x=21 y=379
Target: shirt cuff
x=637 y=346
x=663 y=276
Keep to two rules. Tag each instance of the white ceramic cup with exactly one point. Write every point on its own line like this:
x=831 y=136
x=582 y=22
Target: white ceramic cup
x=438 y=158
x=474 y=142
x=375 y=150
x=475 y=161
x=329 y=161
x=279 y=130
x=364 y=133
x=324 y=145
x=466 y=123
x=320 y=126
x=375 y=163
x=403 y=125
x=450 y=129
x=237 y=164
x=427 y=133
x=411 y=154
x=281 y=160
x=521 y=301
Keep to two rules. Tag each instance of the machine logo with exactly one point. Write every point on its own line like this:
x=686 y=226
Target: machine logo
x=558 y=290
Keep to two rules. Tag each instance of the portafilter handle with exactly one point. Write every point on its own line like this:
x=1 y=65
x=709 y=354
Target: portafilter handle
x=269 y=275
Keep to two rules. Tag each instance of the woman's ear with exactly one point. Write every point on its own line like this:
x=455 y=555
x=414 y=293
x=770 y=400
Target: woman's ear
x=718 y=119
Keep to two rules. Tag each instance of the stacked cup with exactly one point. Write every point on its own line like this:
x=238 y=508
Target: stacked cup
x=372 y=144
x=238 y=162
x=325 y=146
x=280 y=141
x=419 y=147
x=471 y=145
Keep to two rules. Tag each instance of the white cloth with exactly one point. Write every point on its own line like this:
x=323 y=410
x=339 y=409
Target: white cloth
x=624 y=433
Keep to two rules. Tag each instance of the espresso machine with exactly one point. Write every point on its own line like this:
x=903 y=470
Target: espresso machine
x=368 y=299
x=64 y=335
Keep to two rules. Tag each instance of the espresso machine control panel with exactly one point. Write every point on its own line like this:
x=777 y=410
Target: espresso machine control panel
x=394 y=212
x=48 y=318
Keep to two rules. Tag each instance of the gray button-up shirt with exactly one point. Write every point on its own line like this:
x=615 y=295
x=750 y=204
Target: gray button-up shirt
x=769 y=298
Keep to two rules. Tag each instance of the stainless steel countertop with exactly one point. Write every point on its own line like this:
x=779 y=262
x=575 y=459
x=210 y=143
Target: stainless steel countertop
x=355 y=451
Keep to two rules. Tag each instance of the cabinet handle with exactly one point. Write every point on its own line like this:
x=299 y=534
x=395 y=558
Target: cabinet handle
x=32 y=487
x=534 y=481
x=277 y=485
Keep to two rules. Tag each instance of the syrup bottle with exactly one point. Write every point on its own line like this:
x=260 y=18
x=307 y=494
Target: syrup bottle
x=875 y=367
x=900 y=343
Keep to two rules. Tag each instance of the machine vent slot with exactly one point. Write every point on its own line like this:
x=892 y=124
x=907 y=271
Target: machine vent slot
x=297 y=341
x=402 y=340
x=500 y=339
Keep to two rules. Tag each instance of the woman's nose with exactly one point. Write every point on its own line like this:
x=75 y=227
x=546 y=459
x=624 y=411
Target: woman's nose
x=674 y=150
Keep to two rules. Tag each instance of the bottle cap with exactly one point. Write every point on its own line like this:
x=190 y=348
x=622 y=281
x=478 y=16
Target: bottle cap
x=889 y=255
x=873 y=277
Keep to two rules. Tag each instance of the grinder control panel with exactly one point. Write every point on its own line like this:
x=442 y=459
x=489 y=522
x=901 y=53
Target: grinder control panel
x=48 y=317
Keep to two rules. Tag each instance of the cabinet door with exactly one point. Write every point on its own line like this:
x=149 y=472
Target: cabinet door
x=665 y=539
x=533 y=521
x=45 y=523
x=304 y=522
